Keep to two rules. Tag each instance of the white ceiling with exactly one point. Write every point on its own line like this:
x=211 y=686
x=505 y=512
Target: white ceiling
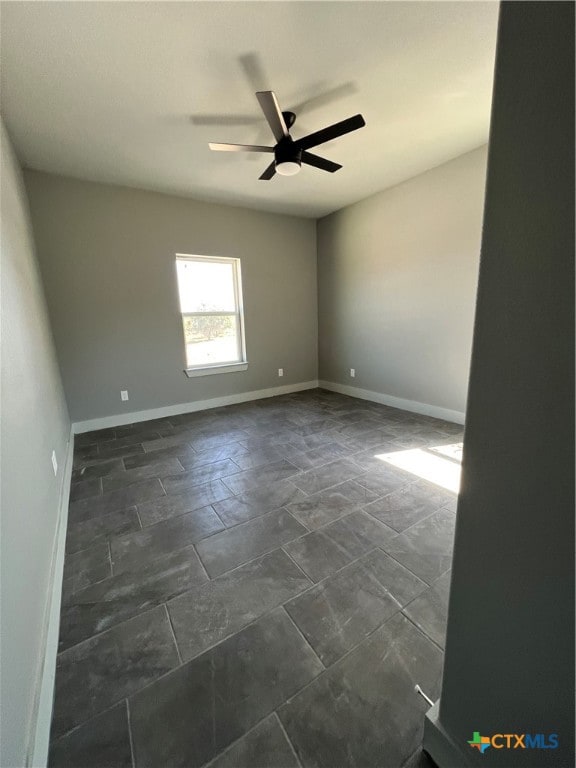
x=130 y=93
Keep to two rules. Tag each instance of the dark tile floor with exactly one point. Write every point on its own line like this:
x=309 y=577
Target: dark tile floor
x=252 y=587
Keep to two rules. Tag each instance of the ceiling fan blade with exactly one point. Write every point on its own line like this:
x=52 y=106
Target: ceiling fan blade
x=273 y=114
x=269 y=172
x=320 y=162
x=332 y=132
x=239 y=148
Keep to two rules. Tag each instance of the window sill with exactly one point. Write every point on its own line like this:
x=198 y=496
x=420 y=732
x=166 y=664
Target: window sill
x=213 y=369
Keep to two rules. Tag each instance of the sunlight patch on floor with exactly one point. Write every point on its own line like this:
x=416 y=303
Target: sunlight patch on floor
x=426 y=463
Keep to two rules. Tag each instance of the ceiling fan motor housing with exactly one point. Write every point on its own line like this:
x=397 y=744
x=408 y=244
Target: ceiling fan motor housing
x=287 y=154
x=289 y=119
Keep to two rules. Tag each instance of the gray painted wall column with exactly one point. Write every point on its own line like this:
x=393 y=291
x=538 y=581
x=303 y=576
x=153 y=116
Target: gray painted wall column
x=509 y=665
x=34 y=423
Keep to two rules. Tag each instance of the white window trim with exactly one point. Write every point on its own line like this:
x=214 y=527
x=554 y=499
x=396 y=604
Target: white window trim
x=225 y=368
x=231 y=366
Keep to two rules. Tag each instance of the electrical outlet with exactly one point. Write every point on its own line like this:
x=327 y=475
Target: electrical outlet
x=54 y=462
x=280 y=371
x=124 y=394
x=352 y=372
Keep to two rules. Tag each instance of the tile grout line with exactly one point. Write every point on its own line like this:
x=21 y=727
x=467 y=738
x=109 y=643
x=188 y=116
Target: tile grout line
x=357 y=506
x=302 y=635
x=76 y=591
x=298 y=523
x=162 y=486
x=139 y=521
x=344 y=656
x=334 y=573
x=353 y=479
x=213 y=508
x=104 y=632
x=422 y=631
x=174 y=517
x=252 y=559
x=109 y=542
x=243 y=522
x=401 y=533
x=101 y=538
x=281 y=548
x=339 y=661
x=236 y=741
x=293 y=597
x=109 y=560
x=391 y=555
x=399 y=610
x=181 y=514
x=130 y=736
x=301 y=522
x=329 y=487
x=202 y=566
x=354 y=508
x=95 y=514
x=216 y=644
x=77 y=727
x=302 y=571
x=283 y=729
x=173 y=634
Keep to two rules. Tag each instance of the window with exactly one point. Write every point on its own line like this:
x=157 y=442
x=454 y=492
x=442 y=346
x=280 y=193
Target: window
x=210 y=291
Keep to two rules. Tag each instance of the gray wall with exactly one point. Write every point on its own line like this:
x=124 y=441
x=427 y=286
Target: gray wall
x=509 y=664
x=34 y=422
x=107 y=258
x=397 y=279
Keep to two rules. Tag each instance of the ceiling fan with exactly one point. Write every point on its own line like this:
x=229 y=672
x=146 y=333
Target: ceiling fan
x=289 y=154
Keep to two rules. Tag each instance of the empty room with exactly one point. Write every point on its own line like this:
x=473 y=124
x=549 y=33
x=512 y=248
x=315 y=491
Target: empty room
x=287 y=396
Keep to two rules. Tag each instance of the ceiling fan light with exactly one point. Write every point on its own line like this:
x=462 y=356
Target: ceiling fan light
x=288 y=168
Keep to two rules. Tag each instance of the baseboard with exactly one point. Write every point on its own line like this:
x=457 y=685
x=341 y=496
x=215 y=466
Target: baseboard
x=120 y=419
x=458 y=417
x=438 y=743
x=40 y=733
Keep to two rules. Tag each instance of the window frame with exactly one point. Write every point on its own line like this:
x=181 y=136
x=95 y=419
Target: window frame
x=230 y=366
